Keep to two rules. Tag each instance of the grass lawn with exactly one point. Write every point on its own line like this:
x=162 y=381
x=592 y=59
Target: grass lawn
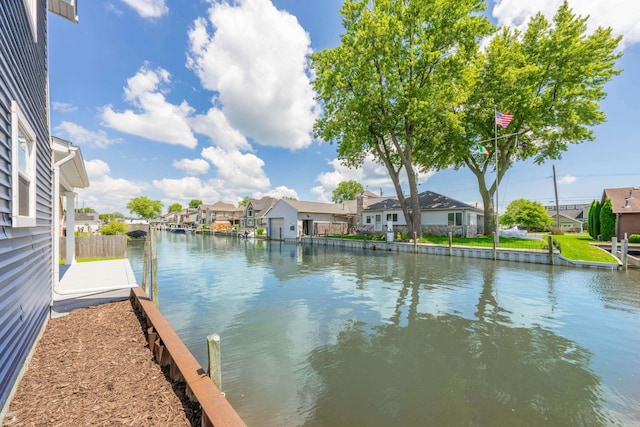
x=578 y=248
x=505 y=242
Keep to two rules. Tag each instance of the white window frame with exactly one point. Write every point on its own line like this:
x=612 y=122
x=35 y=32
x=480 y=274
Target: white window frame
x=19 y=125
x=31 y=7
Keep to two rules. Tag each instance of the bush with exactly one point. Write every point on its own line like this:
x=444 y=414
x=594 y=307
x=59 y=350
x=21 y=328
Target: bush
x=634 y=238
x=607 y=221
x=113 y=228
x=260 y=231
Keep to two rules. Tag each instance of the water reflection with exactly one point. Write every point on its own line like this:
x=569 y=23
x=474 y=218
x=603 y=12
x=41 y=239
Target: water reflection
x=319 y=336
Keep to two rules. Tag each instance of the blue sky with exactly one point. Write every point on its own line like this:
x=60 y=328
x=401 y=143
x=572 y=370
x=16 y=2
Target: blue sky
x=179 y=100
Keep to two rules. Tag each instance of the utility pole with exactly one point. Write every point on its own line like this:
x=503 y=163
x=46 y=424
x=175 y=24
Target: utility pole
x=555 y=188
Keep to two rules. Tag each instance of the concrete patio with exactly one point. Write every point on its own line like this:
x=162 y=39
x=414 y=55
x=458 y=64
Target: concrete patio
x=91 y=283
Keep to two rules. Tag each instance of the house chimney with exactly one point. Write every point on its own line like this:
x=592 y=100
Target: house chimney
x=626 y=203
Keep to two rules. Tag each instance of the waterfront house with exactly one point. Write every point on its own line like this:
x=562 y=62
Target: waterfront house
x=188 y=218
x=289 y=219
x=439 y=214
x=253 y=215
x=572 y=217
x=625 y=205
x=32 y=175
x=219 y=216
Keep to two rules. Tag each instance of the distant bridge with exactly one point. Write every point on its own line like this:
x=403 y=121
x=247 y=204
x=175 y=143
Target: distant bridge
x=137 y=230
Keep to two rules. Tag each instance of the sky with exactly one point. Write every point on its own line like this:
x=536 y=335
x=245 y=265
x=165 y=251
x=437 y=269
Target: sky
x=211 y=100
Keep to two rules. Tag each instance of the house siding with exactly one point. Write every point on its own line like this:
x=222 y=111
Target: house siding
x=629 y=224
x=26 y=273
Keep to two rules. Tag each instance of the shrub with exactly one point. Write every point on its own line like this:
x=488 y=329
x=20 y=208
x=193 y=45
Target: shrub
x=260 y=231
x=634 y=238
x=113 y=228
x=607 y=221
x=594 y=219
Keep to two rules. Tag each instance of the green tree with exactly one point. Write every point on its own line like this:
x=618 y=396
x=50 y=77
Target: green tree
x=112 y=228
x=244 y=202
x=392 y=86
x=526 y=213
x=176 y=207
x=86 y=210
x=195 y=203
x=109 y=216
x=594 y=219
x=551 y=77
x=144 y=207
x=607 y=221
x=346 y=190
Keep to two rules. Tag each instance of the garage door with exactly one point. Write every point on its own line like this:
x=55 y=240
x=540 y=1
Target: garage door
x=276 y=228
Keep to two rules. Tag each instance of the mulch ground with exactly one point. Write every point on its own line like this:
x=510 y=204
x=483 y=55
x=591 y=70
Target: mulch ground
x=93 y=367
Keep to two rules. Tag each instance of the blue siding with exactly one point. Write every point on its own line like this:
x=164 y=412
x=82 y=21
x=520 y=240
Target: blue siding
x=25 y=253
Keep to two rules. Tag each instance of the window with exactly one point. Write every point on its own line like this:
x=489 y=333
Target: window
x=23 y=161
x=392 y=217
x=250 y=212
x=368 y=221
x=455 y=218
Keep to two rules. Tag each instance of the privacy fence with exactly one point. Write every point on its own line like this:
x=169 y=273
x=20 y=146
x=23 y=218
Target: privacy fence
x=97 y=247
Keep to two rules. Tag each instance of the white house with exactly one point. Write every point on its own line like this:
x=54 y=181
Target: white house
x=290 y=219
x=439 y=216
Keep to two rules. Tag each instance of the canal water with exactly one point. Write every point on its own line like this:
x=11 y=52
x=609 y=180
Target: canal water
x=317 y=336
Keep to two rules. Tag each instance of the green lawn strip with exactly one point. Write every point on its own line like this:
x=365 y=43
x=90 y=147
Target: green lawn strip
x=577 y=247
x=505 y=242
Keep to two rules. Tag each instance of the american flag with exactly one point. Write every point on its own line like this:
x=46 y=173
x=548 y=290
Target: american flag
x=503 y=119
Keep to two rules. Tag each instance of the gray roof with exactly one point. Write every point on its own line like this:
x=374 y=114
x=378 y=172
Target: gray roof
x=428 y=201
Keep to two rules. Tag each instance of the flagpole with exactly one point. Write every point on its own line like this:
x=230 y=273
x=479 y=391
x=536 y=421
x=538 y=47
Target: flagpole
x=495 y=147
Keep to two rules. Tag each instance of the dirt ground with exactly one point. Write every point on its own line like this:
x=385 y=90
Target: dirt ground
x=93 y=367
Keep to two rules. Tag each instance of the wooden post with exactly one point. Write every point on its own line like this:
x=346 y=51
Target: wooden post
x=614 y=246
x=415 y=242
x=550 y=242
x=154 y=268
x=495 y=245
x=215 y=361
x=145 y=266
x=450 y=243
x=624 y=248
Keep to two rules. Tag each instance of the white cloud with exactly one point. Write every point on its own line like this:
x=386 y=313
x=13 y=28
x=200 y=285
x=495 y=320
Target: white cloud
x=63 y=107
x=106 y=194
x=373 y=176
x=277 y=193
x=148 y=8
x=155 y=118
x=242 y=172
x=192 y=166
x=82 y=136
x=255 y=59
x=186 y=189
x=567 y=179
x=215 y=125
x=621 y=15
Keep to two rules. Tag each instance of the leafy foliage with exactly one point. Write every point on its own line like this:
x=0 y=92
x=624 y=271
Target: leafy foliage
x=112 y=228
x=634 y=238
x=607 y=220
x=346 y=190
x=391 y=88
x=594 y=219
x=244 y=202
x=195 y=203
x=526 y=213
x=176 y=207
x=145 y=207
x=551 y=77
x=110 y=216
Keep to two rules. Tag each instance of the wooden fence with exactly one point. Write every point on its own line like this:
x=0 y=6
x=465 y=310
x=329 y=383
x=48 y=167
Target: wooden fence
x=97 y=247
